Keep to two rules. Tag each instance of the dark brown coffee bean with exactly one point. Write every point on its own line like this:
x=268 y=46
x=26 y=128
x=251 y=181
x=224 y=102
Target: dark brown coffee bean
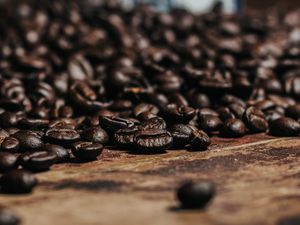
x=3 y=134
x=8 y=217
x=284 y=126
x=112 y=124
x=153 y=123
x=10 y=144
x=7 y=161
x=38 y=161
x=293 y=111
x=87 y=151
x=207 y=112
x=210 y=124
x=17 y=182
x=233 y=128
x=125 y=137
x=181 y=134
x=255 y=120
x=152 y=141
x=29 y=123
x=62 y=154
x=96 y=135
x=181 y=114
x=63 y=137
x=196 y=194
x=28 y=141
x=225 y=113
x=199 y=140
x=144 y=108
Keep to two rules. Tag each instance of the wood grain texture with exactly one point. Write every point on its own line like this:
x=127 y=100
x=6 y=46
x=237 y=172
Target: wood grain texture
x=257 y=177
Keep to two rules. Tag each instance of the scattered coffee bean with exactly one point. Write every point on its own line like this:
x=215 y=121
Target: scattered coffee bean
x=8 y=217
x=8 y=161
x=181 y=134
x=255 y=120
x=62 y=154
x=17 y=182
x=28 y=141
x=209 y=123
x=10 y=144
x=87 y=151
x=63 y=137
x=38 y=161
x=125 y=137
x=195 y=194
x=284 y=126
x=95 y=134
x=233 y=128
x=199 y=140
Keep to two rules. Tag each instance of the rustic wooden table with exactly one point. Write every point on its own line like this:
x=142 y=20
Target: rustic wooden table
x=257 y=177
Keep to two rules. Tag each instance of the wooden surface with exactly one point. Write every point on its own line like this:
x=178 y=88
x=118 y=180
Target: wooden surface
x=257 y=177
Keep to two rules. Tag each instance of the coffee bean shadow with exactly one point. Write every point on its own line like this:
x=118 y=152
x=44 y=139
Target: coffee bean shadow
x=176 y=209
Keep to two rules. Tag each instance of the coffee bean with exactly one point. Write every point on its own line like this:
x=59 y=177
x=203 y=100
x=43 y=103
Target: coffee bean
x=181 y=114
x=284 y=126
x=142 y=108
x=293 y=111
x=17 y=182
x=63 y=137
x=153 y=123
x=28 y=140
x=255 y=120
x=152 y=141
x=207 y=111
x=87 y=151
x=199 y=140
x=181 y=134
x=195 y=194
x=3 y=135
x=125 y=137
x=10 y=144
x=38 y=161
x=210 y=124
x=8 y=217
x=62 y=154
x=233 y=128
x=8 y=161
x=112 y=124
x=95 y=134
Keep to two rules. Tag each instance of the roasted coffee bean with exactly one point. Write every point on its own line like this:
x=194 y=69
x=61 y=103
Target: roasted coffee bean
x=152 y=141
x=293 y=111
x=87 y=151
x=146 y=116
x=125 y=137
x=255 y=120
x=17 y=182
x=207 y=112
x=8 y=161
x=196 y=194
x=181 y=134
x=10 y=144
x=199 y=140
x=199 y=100
x=225 y=113
x=112 y=124
x=3 y=135
x=209 y=123
x=142 y=108
x=28 y=141
x=29 y=123
x=63 y=137
x=181 y=114
x=62 y=154
x=38 y=161
x=284 y=126
x=8 y=217
x=233 y=128
x=95 y=134
x=153 y=123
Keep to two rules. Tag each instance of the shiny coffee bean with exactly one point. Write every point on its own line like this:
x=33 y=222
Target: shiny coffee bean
x=38 y=161
x=8 y=217
x=152 y=141
x=63 y=137
x=285 y=127
x=8 y=161
x=95 y=134
x=62 y=154
x=87 y=151
x=112 y=124
x=210 y=124
x=196 y=194
x=28 y=141
x=153 y=123
x=181 y=134
x=207 y=112
x=255 y=120
x=3 y=134
x=233 y=128
x=199 y=140
x=142 y=108
x=181 y=114
x=10 y=144
x=17 y=182
x=125 y=137
x=293 y=111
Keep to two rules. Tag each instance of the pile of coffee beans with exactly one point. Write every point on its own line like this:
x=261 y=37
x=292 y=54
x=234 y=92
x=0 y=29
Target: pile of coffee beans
x=76 y=76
